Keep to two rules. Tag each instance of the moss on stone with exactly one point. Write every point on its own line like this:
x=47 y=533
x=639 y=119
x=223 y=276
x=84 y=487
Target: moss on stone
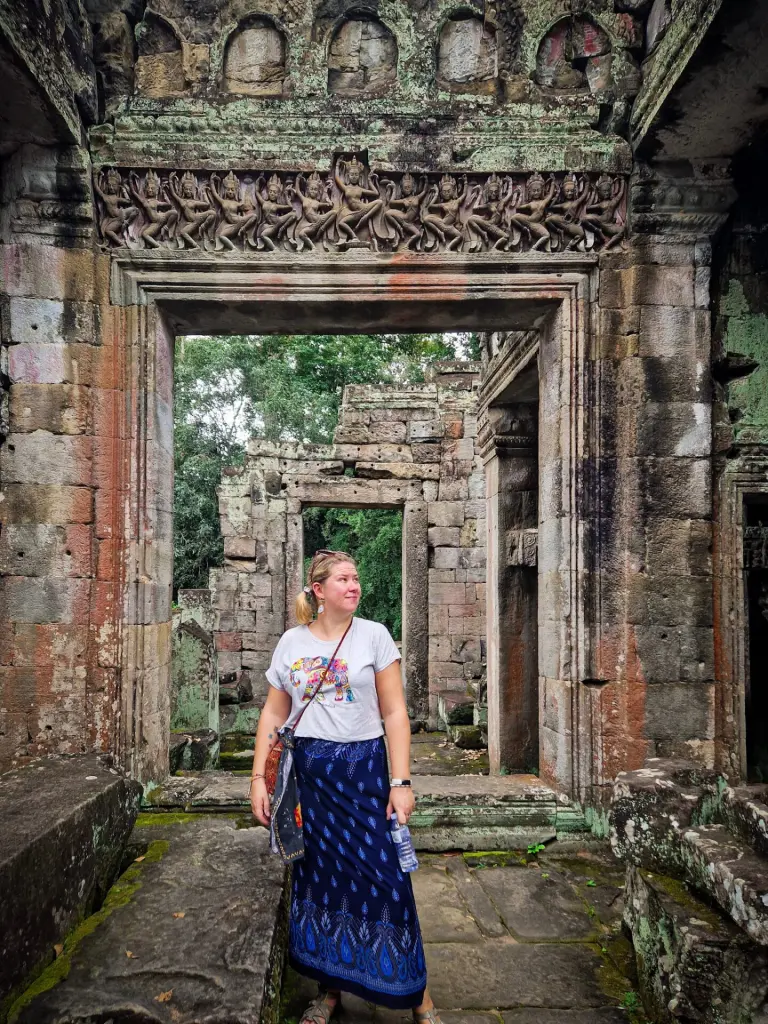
x=158 y=819
x=747 y=334
x=617 y=986
x=679 y=893
x=495 y=858
x=121 y=893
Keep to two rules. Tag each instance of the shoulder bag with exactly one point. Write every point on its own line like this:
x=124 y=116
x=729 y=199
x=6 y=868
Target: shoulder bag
x=286 y=832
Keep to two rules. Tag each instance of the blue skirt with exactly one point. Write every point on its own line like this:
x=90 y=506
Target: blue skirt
x=353 y=921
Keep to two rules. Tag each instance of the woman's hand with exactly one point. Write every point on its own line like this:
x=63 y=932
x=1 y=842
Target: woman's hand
x=260 y=801
x=401 y=802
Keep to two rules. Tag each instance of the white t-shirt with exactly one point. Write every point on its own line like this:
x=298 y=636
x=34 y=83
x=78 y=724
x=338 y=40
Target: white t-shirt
x=347 y=707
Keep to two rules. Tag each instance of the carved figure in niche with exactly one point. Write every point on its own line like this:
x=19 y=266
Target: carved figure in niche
x=566 y=215
x=445 y=227
x=486 y=218
x=196 y=216
x=318 y=212
x=118 y=209
x=238 y=214
x=603 y=209
x=278 y=217
x=530 y=215
x=402 y=214
x=161 y=216
x=359 y=204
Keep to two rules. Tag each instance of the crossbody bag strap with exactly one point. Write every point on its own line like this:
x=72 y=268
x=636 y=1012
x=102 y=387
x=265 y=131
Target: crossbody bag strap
x=319 y=686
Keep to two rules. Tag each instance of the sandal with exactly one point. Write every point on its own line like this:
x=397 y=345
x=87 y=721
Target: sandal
x=318 y=1011
x=427 y=1016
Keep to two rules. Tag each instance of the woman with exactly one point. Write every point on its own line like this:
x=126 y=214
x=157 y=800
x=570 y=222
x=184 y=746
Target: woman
x=353 y=921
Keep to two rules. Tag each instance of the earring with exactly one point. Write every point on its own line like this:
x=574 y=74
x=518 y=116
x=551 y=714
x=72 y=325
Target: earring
x=320 y=609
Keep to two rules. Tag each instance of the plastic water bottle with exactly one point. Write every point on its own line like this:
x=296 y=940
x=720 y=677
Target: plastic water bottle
x=406 y=854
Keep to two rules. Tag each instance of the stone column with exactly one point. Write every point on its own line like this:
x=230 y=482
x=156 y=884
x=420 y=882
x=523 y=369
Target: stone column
x=511 y=474
x=655 y=681
x=416 y=611
x=58 y=631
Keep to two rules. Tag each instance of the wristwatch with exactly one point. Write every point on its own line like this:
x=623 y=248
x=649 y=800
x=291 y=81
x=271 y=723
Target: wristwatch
x=399 y=782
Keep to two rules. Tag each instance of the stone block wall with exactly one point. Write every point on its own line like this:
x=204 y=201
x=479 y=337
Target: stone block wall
x=654 y=690
x=407 y=447
x=60 y=486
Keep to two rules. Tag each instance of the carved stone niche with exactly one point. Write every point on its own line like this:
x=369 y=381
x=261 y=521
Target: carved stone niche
x=467 y=55
x=254 y=62
x=362 y=60
x=160 y=63
x=575 y=55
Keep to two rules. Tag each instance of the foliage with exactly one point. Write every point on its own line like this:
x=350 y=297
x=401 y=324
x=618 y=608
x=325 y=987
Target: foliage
x=374 y=539
x=280 y=387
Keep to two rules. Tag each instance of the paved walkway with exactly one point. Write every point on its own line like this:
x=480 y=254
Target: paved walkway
x=515 y=942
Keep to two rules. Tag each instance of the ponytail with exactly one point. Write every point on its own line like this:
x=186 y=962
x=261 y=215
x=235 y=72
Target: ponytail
x=305 y=613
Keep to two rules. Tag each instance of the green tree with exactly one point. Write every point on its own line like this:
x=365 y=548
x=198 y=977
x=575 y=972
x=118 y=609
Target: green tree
x=374 y=539
x=280 y=387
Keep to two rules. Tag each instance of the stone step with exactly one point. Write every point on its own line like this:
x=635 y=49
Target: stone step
x=693 y=962
x=65 y=823
x=467 y=812
x=745 y=811
x=729 y=872
x=194 y=930
x=665 y=819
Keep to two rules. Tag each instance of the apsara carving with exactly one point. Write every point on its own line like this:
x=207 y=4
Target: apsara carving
x=353 y=207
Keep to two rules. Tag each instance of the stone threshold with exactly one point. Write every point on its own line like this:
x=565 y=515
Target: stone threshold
x=465 y=812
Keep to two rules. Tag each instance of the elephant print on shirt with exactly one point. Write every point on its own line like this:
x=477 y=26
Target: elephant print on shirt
x=306 y=672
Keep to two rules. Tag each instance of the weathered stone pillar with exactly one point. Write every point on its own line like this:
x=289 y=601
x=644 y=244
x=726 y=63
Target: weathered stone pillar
x=294 y=561
x=416 y=611
x=654 y=692
x=58 y=631
x=511 y=475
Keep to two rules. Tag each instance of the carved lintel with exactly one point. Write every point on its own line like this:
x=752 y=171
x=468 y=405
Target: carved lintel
x=492 y=445
x=694 y=206
x=47 y=192
x=351 y=206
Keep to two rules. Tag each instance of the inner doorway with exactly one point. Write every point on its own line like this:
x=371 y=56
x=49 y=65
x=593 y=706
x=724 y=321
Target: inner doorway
x=510 y=451
x=374 y=538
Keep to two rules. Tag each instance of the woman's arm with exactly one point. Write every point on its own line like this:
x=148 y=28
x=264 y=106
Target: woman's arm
x=389 y=687
x=274 y=714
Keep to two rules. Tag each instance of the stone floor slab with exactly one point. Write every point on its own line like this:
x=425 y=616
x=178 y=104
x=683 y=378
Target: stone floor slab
x=442 y=914
x=536 y=904
x=65 y=822
x=195 y=939
x=475 y=897
x=501 y=973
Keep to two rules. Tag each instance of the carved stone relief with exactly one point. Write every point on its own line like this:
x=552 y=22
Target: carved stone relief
x=353 y=207
x=254 y=64
x=363 y=59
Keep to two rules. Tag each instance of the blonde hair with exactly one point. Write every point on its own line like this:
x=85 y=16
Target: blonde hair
x=320 y=568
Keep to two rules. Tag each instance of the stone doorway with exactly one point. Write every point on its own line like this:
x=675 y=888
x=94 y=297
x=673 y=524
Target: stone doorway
x=539 y=296
x=510 y=449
